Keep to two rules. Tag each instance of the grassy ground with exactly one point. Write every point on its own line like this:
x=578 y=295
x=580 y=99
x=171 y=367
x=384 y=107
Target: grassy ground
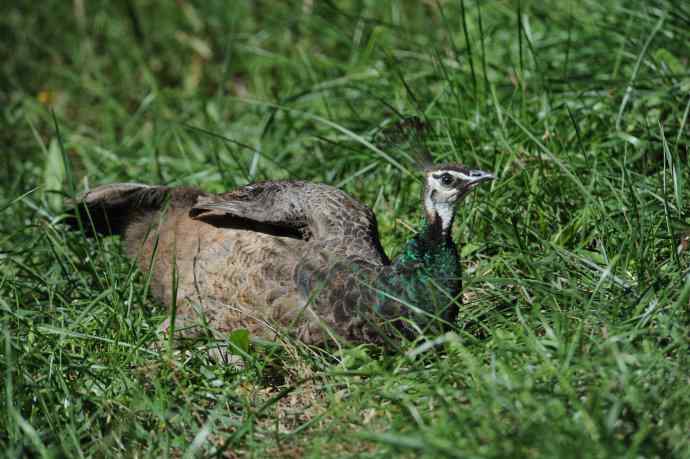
x=574 y=338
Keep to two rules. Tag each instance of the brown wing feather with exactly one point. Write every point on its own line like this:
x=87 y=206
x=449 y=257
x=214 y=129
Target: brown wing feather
x=330 y=216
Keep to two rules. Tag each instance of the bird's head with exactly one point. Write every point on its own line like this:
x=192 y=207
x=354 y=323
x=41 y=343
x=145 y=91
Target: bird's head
x=445 y=186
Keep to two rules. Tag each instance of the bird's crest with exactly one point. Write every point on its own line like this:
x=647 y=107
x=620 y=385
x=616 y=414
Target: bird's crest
x=409 y=136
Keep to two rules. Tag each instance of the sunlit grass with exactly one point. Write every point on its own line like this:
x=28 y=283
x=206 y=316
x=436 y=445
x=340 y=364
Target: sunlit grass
x=573 y=340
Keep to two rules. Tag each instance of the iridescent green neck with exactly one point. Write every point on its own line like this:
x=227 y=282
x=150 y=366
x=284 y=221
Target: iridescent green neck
x=425 y=275
x=430 y=243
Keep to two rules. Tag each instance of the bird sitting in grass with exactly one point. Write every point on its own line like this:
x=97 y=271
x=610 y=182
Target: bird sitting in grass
x=287 y=257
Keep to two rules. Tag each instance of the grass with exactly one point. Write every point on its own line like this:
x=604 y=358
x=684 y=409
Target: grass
x=574 y=337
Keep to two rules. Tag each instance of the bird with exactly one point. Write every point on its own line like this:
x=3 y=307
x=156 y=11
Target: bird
x=287 y=258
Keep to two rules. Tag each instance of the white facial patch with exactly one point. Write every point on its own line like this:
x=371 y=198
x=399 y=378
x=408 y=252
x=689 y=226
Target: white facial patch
x=442 y=198
x=461 y=176
x=474 y=176
x=435 y=182
x=457 y=175
x=445 y=212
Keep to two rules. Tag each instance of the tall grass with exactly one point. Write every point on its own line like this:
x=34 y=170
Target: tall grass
x=574 y=337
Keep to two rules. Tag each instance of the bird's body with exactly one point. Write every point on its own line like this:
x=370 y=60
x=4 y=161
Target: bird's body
x=290 y=256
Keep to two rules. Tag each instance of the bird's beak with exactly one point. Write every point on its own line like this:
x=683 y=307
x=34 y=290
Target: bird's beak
x=477 y=176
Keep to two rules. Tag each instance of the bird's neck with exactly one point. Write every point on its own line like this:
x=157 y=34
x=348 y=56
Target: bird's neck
x=432 y=247
x=426 y=275
x=439 y=215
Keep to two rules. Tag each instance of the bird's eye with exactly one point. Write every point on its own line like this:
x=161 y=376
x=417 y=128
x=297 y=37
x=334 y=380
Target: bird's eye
x=446 y=179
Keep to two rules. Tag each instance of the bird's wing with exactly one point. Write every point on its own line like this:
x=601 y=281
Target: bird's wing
x=274 y=203
x=321 y=213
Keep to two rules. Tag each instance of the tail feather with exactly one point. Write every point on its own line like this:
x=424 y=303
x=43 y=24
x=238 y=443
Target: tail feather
x=111 y=192
x=108 y=209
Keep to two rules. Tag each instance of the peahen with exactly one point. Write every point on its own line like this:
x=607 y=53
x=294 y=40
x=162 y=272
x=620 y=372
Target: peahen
x=288 y=256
